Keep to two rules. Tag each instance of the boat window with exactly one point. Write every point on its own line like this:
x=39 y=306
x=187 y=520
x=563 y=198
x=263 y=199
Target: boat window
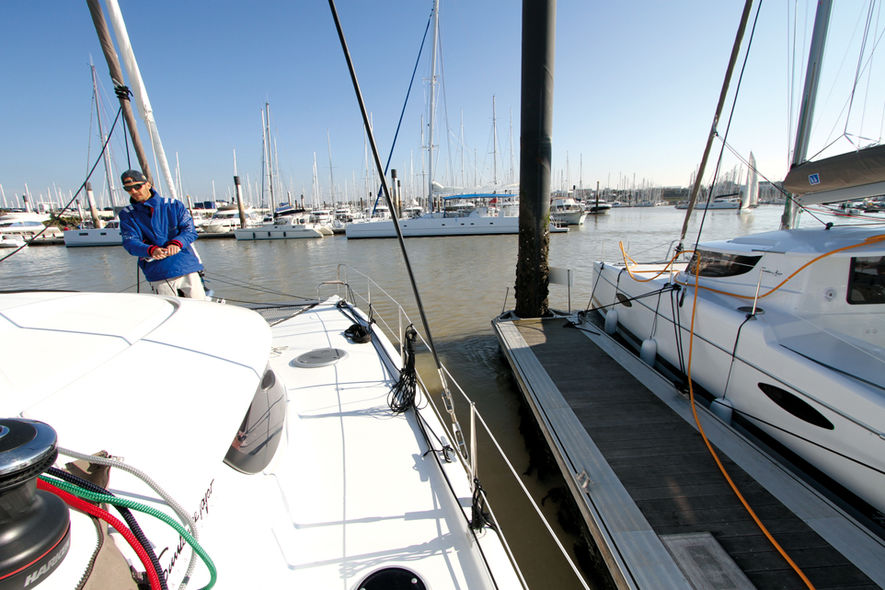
x=795 y=406
x=866 y=280
x=720 y=264
x=259 y=435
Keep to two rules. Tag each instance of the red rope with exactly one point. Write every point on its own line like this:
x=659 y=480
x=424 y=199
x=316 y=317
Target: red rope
x=93 y=510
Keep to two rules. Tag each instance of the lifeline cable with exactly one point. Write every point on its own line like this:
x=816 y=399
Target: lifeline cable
x=79 y=190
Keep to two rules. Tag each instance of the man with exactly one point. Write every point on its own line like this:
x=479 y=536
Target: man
x=160 y=231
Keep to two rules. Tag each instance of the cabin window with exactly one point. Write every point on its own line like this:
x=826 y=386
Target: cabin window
x=795 y=406
x=866 y=280
x=720 y=264
x=259 y=434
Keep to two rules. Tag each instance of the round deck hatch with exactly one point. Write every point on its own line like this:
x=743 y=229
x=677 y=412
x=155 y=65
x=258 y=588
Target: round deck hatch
x=319 y=357
x=393 y=578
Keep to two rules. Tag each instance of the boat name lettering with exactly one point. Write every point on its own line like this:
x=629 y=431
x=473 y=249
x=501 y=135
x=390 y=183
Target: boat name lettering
x=204 y=509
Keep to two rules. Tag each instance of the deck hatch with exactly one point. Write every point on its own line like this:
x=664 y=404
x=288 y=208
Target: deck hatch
x=319 y=357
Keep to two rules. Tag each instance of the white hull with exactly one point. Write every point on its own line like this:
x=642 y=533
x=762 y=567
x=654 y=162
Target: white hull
x=600 y=209
x=10 y=241
x=278 y=232
x=93 y=237
x=320 y=486
x=808 y=369
x=568 y=218
x=437 y=226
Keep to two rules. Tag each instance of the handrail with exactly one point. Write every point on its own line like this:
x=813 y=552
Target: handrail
x=470 y=462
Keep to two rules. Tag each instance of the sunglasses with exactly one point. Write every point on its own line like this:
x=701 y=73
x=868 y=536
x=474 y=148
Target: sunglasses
x=133 y=187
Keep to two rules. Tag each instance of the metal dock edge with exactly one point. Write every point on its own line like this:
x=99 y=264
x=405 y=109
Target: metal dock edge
x=636 y=554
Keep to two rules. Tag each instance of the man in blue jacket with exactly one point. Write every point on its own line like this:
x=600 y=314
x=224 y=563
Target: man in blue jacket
x=160 y=231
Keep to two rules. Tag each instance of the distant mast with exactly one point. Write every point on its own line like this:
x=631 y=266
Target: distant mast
x=105 y=155
x=267 y=153
x=432 y=105
x=141 y=96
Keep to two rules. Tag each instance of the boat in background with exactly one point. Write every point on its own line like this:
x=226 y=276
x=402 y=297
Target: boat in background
x=12 y=241
x=497 y=215
x=28 y=226
x=597 y=207
x=291 y=227
x=227 y=218
x=109 y=235
x=567 y=211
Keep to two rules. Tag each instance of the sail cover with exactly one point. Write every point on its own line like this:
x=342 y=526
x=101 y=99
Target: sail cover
x=853 y=175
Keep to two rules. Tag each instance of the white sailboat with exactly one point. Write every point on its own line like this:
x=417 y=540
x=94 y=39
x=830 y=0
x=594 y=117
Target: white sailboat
x=486 y=214
x=784 y=329
x=270 y=449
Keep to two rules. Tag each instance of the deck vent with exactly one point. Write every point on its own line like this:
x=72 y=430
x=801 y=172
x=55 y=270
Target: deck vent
x=393 y=578
x=319 y=357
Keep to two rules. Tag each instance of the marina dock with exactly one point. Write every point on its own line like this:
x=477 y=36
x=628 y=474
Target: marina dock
x=656 y=504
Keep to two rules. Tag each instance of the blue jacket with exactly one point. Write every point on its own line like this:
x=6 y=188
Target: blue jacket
x=156 y=223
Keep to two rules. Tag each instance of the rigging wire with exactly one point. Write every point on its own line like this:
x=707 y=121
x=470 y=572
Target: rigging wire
x=56 y=216
x=730 y=119
x=447 y=396
x=403 y=111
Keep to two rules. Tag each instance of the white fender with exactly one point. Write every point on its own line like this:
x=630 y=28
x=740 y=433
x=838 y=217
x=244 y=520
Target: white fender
x=722 y=408
x=611 y=321
x=649 y=351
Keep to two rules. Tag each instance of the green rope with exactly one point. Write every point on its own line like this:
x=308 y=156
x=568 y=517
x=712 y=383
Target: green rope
x=117 y=501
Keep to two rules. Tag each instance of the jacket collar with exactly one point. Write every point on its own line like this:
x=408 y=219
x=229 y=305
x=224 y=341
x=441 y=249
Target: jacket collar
x=149 y=202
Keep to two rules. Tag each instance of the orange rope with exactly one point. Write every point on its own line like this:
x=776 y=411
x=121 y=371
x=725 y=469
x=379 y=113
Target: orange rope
x=658 y=273
x=716 y=456
x=870 y=240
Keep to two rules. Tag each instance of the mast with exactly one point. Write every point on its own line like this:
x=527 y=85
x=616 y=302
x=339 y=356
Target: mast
x=494 y=145
x=105 y=155
x=331 y=178
x=432 y=104
x=809 y=95
x=268 y=155
x=110 y=55
x=140 y=92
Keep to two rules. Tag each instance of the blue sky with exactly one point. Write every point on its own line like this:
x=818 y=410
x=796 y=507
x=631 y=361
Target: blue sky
x=636 y=85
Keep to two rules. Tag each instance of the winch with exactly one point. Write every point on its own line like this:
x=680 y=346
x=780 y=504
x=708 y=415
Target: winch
x=34 y=524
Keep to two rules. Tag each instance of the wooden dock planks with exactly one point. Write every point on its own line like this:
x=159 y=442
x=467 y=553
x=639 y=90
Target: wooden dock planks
x=652 y=478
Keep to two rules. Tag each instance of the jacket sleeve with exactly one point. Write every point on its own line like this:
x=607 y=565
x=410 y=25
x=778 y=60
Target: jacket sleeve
x=186 y=231
x=133 y=238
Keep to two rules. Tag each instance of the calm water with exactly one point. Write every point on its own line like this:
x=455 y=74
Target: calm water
x=464 y=283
